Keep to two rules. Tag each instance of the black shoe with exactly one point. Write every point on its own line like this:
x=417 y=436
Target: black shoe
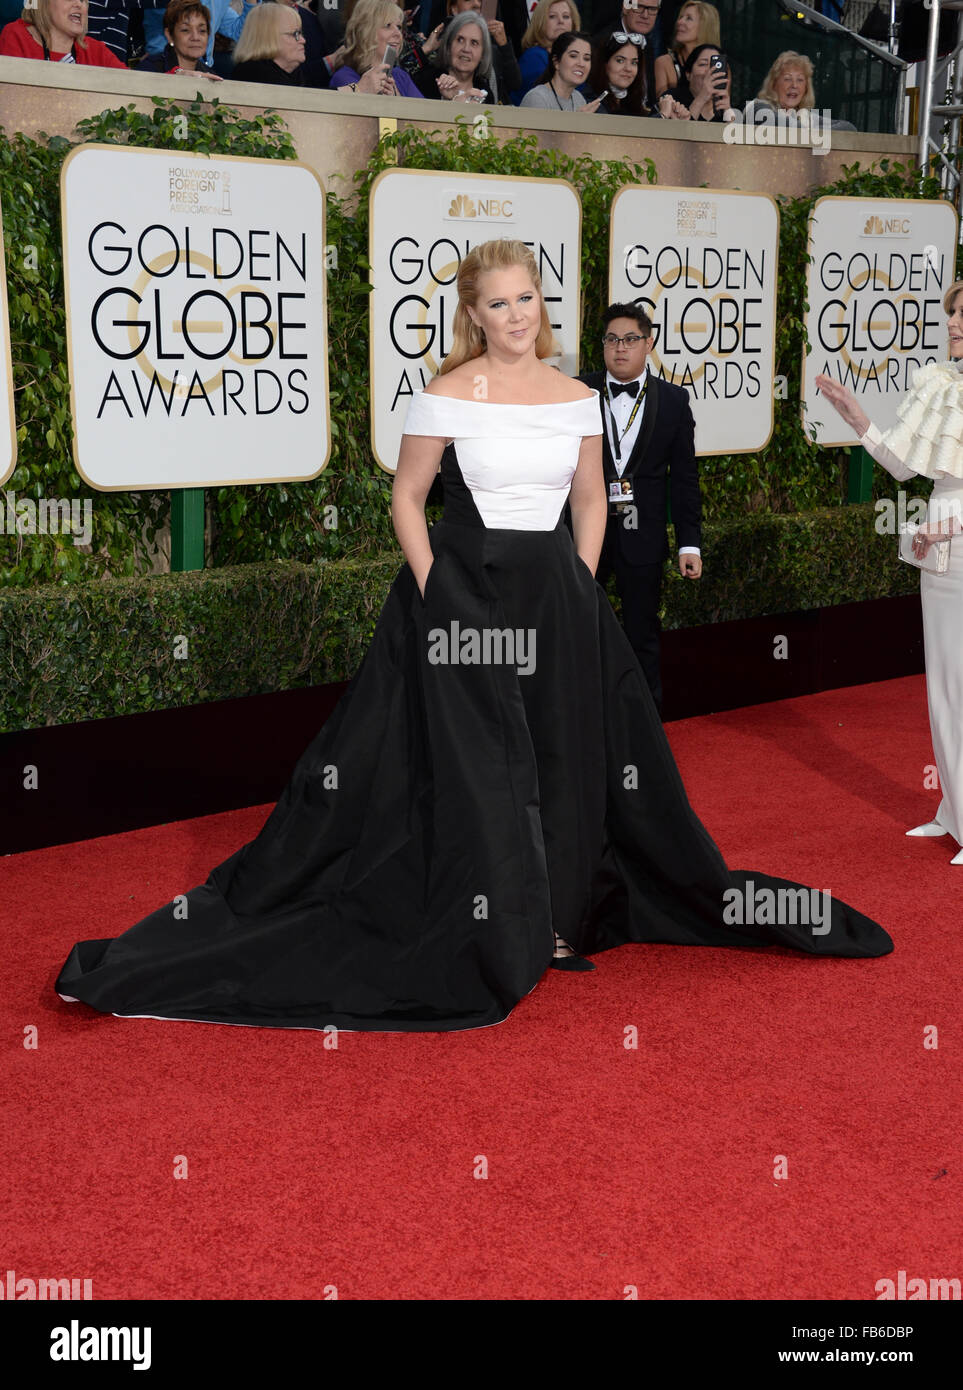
x=570 y=963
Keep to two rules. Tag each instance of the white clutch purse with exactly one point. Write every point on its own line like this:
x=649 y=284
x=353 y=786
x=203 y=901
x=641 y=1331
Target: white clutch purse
x=937 y=557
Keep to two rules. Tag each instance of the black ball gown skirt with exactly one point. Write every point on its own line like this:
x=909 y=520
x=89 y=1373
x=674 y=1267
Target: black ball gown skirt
x=450 y=816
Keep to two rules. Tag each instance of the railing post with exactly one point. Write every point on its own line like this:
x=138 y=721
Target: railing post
x=187 y=529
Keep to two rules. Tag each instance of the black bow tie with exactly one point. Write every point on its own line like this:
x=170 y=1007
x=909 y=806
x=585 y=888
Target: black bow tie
x=616 y=387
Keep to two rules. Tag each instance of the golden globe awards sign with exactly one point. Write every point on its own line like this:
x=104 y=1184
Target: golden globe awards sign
x=8 y=429
x=702 y=263
x=195 y=292
x=421 y=225
x=879 y=268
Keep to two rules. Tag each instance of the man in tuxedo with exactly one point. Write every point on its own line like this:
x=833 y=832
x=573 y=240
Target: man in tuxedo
x=648 y=455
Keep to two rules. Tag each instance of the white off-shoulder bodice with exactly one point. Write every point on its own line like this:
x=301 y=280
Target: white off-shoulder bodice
x=517 y=461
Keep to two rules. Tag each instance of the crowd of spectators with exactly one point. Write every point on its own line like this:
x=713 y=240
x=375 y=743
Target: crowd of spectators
x=627 y=62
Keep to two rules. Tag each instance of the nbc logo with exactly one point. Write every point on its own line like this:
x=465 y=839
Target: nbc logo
x=886 y=226
x=462 y=206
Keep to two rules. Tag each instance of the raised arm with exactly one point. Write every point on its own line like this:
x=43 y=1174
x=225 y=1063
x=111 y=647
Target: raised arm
x=418 y=461
x=847 y=407
x=588 y=502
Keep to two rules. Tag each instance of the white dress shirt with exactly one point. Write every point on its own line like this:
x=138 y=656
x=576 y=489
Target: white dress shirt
x=619 y=412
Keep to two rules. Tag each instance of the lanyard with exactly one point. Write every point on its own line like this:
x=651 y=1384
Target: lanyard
x=617 y=438
x=46 y=52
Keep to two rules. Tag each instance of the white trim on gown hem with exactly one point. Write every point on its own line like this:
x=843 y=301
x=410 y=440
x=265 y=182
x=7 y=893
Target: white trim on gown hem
x=295 y=1028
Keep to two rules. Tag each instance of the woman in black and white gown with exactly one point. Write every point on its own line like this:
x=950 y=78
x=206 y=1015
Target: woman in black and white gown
x=494 y=793
x=927 y=442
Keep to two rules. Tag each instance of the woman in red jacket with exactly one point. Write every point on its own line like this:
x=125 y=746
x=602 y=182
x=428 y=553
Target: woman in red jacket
x=56 y=31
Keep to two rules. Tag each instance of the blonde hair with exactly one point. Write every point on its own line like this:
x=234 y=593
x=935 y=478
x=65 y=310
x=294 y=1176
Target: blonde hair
x=534 y=35
x=37 y=16
x=361 y=32
x=468 y=338
x=789 y=59
x=950 y=296
x=261 y=35
x=709 y=30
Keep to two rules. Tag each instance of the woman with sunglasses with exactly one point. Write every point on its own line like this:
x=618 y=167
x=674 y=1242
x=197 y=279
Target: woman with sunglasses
x=618 y=71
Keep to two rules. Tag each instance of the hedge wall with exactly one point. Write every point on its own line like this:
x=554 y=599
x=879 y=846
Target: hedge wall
x=99 y=648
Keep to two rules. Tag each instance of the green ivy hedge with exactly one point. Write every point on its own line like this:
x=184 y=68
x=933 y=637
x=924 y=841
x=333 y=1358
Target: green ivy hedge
x=100 y=648
x=287 y=521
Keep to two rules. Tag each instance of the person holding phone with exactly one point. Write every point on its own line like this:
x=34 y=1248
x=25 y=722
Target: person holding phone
x=569 y=64
x=373 y=36
x=705 y=93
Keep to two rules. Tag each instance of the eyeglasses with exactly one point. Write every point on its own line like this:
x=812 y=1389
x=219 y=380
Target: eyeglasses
x=650 y=11
x=293 y=33
x=630 y=340
x=637 y=39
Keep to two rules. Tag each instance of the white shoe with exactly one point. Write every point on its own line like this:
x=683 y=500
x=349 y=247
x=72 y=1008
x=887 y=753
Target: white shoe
x=957 y=858
x=931 y=829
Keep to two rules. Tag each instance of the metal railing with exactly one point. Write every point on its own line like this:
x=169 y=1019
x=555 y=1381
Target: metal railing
x=940 y=118
x=858 y=80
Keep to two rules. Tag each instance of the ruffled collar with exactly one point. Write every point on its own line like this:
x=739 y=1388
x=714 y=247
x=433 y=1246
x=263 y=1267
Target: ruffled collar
x=928 y=433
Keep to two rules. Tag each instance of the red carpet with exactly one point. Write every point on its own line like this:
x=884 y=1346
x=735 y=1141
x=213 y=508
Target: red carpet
x=607 y=1167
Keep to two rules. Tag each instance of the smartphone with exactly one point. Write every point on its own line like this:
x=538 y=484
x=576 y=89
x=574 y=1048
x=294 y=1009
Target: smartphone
x=390 y=56
x=488 y=8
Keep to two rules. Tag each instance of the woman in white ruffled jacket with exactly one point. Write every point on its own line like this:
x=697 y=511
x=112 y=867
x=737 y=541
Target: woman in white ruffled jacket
x=927 y=441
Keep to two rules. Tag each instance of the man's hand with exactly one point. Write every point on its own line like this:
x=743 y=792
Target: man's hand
x=690 y=566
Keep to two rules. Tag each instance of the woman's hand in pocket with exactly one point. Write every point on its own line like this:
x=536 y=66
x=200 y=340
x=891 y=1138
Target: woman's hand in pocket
x=423 y=584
